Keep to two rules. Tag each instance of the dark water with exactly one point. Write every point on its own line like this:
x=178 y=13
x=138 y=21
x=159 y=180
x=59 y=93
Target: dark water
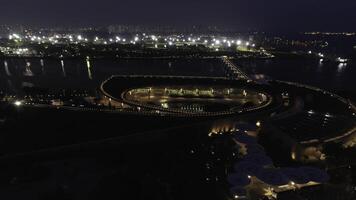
x=80 y=73
x=327 y=75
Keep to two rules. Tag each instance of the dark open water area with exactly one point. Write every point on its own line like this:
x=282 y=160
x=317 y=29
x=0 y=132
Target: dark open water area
x=88 y=74
x=326 y=75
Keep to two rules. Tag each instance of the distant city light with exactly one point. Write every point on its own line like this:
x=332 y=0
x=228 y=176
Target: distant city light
x=258 y=123
x=216 y=43
x=17 y=103
x=342 y=60
x=328 y=115
x=16 y=36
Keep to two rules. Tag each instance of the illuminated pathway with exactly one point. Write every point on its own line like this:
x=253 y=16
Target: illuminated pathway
x=212 y=97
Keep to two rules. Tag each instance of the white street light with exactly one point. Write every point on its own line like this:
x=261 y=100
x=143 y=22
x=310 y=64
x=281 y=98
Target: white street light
x=17 y=103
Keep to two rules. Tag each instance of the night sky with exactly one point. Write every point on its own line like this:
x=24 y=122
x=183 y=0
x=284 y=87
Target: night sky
x=299 y=15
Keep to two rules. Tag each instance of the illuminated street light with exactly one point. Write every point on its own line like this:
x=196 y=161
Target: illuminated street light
x=258 y=124
x=16 y=36
x=17 y=103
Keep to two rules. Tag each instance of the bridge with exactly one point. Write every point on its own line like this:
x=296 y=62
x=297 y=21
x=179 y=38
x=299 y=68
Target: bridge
x=235 y=70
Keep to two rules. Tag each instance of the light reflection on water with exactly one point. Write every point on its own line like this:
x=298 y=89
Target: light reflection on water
x=7 y=68
x=341 y=67
x=323 y=74
x=63 y=70
x=89 y=73
x=90 y=76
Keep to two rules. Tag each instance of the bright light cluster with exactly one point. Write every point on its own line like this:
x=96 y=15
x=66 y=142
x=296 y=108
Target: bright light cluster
x=156 y=41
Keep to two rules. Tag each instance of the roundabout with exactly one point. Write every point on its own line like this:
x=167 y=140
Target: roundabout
x=300 y=112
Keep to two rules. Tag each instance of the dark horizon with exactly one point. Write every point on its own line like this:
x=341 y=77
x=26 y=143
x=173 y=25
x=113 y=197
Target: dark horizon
x=276 y=15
